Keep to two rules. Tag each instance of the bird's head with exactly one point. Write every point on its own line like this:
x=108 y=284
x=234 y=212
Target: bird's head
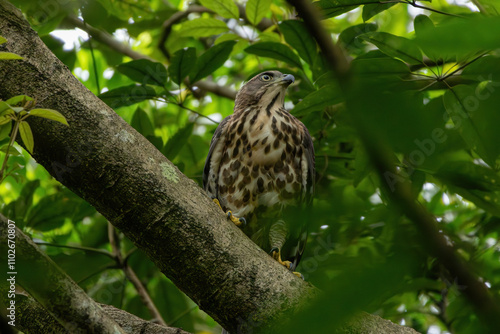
x=264 y=88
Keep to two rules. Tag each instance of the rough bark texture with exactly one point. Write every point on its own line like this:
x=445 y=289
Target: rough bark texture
x=59 y=295
x=106 y=162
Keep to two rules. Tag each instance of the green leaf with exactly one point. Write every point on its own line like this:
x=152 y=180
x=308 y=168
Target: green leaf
x=211 y=60
x=297 y=35
x=225 y=8
x=371 y=10
x=203 y=27
x=2 y=40
x=51 y=212
x=468 y=175
x=13 y=150
x=181 y=64
x=395 y=46
x=378 y=67
x=26 y=136
x=423 y=23
x=9 y=55
x=128 y=95
x=484 y=69
x=348 y=36
x=325 y=96
x=474 y=113
x=16 y=100
x=256 y=10
x=49 y=114
x=175 y=144
x=145 y=72
x=462 y=37
x=276 y=51
x=142 y=123
x=5 y=129
x=332 y=8
x=4 y=119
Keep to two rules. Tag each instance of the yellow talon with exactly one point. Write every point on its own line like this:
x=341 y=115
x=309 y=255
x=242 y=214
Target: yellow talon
x=237 y=221
x=277 y=257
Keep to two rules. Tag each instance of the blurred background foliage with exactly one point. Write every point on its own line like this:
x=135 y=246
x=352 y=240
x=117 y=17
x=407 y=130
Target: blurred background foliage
x=425 y=83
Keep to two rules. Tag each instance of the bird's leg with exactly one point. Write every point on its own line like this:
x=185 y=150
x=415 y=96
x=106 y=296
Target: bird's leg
x=278 y=233
x=237 y=221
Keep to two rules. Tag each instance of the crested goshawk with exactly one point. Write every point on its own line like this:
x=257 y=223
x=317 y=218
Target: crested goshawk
x=260 y=167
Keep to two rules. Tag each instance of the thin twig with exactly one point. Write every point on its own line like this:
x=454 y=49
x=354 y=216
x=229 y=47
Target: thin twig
x=82 y=248
x=132 y=277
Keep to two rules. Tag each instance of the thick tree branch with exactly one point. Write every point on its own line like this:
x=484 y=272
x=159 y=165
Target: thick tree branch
x=51 y=287
x=486 y=306
x=105 y=161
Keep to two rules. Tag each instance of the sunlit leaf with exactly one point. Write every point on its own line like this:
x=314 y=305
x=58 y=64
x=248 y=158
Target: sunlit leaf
x=9 y=55
x=225 y=8
x=13 y=101
x=256 y=10
x=211 y=60
x=202 y=27
x=145 y=72
x=297 y=35
x=181 y=64
x=26 y=136
x=276 y=51
x=2 y=40
x=49 y=114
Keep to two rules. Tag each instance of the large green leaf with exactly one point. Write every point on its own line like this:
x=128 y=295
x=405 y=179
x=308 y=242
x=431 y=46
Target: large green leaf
x=371 y=10
x=332 y=8
x=256 y=10
x=26 y=136
x=5 y=130
x=275 y=51
x=483 y=69
x=474 y=113
x=348 y=36
x=128 y=95
x=395 y=46
x=468 y=175
x=51 y=212
x=177 y=141
x=225 y=8
x=142 y=123
x=297 y=35
x=8 y=56
x=325 y=96
x=462 y=37
x=211 y=60
x=181 y=64
x=49 y=114
x=202 y=27
x=145 y=72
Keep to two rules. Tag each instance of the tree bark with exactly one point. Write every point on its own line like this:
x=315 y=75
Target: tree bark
x=106 y=162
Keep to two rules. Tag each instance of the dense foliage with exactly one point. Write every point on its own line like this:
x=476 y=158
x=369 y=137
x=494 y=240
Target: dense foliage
x=424 y=86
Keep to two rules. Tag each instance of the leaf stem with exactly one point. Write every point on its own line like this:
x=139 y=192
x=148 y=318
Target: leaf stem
x=12 y=138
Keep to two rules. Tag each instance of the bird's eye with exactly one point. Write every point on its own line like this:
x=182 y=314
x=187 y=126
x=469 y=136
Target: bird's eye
x=266 y=77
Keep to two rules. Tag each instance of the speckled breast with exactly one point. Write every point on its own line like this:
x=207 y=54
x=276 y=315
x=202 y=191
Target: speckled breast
x=263 y=164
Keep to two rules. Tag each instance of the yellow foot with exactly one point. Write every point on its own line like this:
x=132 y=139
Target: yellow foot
x=277 y=257
x=237 y=221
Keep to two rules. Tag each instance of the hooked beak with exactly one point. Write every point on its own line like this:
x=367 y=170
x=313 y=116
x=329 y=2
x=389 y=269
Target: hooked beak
x=288 y=79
